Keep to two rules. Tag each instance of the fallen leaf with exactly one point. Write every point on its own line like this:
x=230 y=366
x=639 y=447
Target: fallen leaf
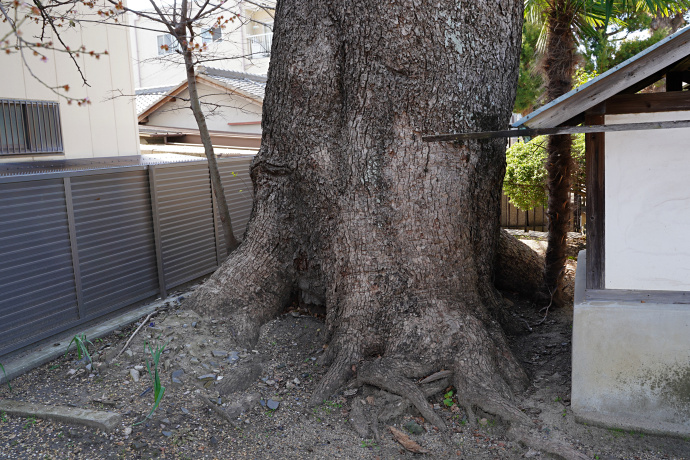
x=406 y=442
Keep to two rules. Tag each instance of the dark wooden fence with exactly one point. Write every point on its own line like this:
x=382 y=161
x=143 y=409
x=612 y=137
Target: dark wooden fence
x=78 y=245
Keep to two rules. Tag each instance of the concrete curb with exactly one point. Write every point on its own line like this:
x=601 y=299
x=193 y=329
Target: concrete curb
x=23 y=361
x=105 y=421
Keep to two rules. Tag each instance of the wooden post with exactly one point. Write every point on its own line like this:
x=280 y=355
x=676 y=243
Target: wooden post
x=674 y=81
x=596 y=206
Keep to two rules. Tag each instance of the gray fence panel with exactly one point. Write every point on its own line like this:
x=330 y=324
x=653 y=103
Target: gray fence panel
x=234 y=172
x=185 y=216
x=36 y=276
x=115 y=242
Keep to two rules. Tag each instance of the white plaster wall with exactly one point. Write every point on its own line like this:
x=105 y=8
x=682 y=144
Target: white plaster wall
x=107 y=126
x=631 y=363
x=648 y=205
x=220 y=109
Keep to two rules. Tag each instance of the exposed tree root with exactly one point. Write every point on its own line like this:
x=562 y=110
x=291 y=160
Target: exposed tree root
x=377 y=373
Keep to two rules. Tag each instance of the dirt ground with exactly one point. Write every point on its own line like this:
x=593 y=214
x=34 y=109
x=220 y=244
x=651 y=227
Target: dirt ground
x=230 y=403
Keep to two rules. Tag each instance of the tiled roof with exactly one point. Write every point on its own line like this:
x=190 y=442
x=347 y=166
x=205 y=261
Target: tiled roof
x=250 y=84
x=146 y=97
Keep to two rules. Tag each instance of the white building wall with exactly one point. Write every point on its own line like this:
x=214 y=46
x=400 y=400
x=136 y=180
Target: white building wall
x=647 y=205
x=107 y=126
x=230 y=53
x=218 y=108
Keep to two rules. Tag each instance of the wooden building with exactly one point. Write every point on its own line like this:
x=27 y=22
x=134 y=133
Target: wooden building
x=631 y=332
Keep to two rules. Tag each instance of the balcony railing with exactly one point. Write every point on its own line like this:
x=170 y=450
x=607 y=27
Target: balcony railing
x=260 y=45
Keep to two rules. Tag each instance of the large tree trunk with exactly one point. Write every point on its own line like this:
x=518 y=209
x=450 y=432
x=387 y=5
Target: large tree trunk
x=396 y=236
x=559 y=64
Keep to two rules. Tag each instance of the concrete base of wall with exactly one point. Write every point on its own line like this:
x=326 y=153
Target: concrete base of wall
x=631 y=363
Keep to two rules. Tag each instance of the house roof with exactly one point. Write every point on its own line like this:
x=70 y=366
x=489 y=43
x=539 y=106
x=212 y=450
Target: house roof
x=641 y=70
x=250 y=86
x=146 y=97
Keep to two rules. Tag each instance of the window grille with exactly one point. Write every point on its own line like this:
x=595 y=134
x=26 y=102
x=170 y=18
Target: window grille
x=30 y=127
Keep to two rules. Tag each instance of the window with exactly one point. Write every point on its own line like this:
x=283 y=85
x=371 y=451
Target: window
x=211 y=35
x=167 y=44
x=259 y=33
x=30 y=127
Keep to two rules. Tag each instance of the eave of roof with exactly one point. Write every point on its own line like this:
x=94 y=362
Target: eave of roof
x=245 y=85
x=644 y=64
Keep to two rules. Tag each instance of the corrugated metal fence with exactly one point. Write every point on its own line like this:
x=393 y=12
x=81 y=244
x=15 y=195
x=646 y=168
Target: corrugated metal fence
x=77 y=245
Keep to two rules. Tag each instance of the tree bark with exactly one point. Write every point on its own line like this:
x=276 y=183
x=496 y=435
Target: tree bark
x=559 y=63
x=518 y=268
x=214 y=173
x=396 y=236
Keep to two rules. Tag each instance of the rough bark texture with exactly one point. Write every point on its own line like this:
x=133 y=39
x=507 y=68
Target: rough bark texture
x=396 y=236
x=559 y=63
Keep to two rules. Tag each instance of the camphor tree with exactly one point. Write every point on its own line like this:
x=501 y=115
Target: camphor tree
x=395 y=236
x=564 y=23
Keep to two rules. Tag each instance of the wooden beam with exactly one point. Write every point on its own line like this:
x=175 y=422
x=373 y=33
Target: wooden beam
x=648 y=102
x=674 y=82
x=595 y=143
x=660 y=59
x=625 y=295
x=223 y=141
x=530 y=132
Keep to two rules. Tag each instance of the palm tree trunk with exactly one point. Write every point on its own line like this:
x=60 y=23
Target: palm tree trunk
x=558 y=65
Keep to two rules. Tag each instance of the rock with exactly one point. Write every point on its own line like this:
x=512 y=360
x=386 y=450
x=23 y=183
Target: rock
x=194 y=324
x=88 y=367
x=194 y=361
x=351 y=392
x=167 y=434
x=530 y=453
x=270 y=382
x=483 y=422
x=296 y=381
x=273 y=405
x=139 y=367
x=243 y=404
x=233 y=357
x=207 y=377
x=184 y=410
x=289 y=385
x=213 y=441
x=71 y=372
x=129 y=353
x=184 y=325
x=134 y=374
x=138 y=445
x=414 y=427
x=127 y=431
x=219 y=353
x=176 y=375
